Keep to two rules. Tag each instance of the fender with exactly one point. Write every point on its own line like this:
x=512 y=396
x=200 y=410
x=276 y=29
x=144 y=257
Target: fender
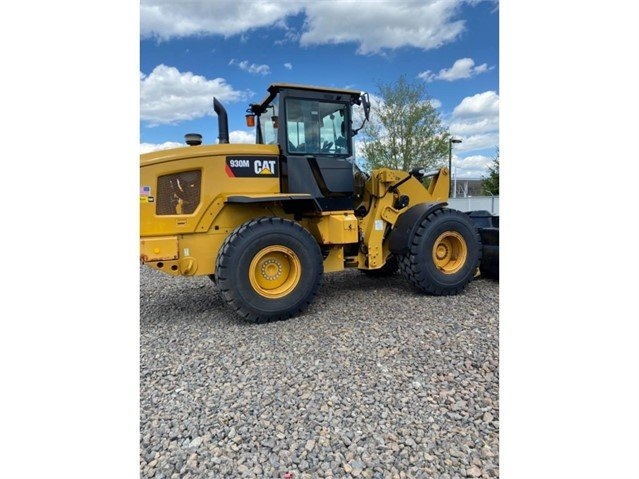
x=407 y=224
x=292 y=203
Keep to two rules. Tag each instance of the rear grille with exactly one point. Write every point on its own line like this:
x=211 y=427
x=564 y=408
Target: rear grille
x=179 y=194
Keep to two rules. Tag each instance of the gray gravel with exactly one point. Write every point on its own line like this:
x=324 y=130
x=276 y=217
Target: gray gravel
x=375 y=381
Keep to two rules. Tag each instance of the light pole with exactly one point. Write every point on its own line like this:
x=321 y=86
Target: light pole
x=451 y=140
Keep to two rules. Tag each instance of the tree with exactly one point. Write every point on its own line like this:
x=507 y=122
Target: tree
x=490 y=183
x=405 y=129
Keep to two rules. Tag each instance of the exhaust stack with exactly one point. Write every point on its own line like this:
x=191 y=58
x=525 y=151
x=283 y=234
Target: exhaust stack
x=222 y=121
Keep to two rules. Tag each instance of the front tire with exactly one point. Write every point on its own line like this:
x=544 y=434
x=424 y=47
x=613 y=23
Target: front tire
x=443 y=254
x=269 y=269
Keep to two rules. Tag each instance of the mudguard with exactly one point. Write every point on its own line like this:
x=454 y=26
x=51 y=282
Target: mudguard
x=488 y=226
x=407 y=224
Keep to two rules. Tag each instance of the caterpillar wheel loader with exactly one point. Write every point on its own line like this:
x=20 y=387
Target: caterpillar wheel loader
x=265 y=221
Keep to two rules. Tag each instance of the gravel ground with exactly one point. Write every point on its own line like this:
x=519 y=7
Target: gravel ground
x=375 y=380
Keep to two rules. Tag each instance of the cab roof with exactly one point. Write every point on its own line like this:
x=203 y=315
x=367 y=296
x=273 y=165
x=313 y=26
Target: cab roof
x=275 y=88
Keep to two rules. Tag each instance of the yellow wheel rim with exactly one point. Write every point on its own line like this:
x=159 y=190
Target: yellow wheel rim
x=450 y=252
x=275 y=271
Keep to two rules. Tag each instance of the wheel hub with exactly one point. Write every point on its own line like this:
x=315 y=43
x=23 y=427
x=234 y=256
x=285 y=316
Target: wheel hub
x=271 y=269
x=450 y=252
x=441 y=251
x=275 y=271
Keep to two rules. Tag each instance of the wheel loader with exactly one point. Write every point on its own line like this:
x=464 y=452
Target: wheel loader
x=265 y=221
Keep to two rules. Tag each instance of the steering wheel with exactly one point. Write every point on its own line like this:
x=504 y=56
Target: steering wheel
x=327 y=146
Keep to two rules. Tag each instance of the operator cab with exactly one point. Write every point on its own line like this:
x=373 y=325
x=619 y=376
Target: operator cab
x=314 y=128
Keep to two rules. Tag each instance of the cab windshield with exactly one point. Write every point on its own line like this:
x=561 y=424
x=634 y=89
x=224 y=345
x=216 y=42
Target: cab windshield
x=316 y=127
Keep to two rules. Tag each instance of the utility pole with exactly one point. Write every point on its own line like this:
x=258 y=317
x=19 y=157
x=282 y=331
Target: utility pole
x=455 y=184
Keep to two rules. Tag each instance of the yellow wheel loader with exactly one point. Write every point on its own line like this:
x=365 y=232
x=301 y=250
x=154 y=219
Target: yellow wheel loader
x=265 y=221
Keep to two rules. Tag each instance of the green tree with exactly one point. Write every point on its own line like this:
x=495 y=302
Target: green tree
x=490 y=183
x=405 y=129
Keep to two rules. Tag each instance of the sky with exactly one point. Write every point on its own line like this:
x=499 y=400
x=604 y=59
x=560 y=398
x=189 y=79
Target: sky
x=191 y=52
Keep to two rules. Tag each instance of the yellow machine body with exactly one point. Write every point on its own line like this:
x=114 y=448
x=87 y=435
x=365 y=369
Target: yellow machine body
x=182 y=235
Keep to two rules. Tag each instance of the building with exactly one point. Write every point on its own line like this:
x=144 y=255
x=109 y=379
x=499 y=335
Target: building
x=465 y=187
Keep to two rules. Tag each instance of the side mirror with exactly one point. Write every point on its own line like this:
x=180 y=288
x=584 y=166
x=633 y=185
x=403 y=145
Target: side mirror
x=366 y=104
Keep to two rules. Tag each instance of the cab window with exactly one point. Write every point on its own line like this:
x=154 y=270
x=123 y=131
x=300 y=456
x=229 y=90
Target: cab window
x=316 y=127
x=269 y=125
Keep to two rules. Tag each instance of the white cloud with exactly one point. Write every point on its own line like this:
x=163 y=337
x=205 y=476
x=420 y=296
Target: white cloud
x=476 y=121
x=168 y=96
x=425 y=24
x=239 y=136
x=288 y=66
x=165 y=19
x=435 y=103
x=149 y=147
x=462 y=68
x=482 y=104
x=480 y=141
x=477 y=126
x=252 y=67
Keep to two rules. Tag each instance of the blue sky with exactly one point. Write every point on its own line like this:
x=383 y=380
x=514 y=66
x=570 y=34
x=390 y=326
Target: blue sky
x=191 y=52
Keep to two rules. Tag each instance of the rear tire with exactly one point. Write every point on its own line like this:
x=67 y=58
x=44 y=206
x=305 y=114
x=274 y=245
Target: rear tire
x=444 y=253
x=269 y=269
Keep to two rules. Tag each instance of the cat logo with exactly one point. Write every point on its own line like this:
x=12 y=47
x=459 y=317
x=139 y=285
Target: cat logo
x=266 y=167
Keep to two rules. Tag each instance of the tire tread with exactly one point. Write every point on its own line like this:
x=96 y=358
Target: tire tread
x=234 y=241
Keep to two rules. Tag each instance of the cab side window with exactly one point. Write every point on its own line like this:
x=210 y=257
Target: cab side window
x=316 y=127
